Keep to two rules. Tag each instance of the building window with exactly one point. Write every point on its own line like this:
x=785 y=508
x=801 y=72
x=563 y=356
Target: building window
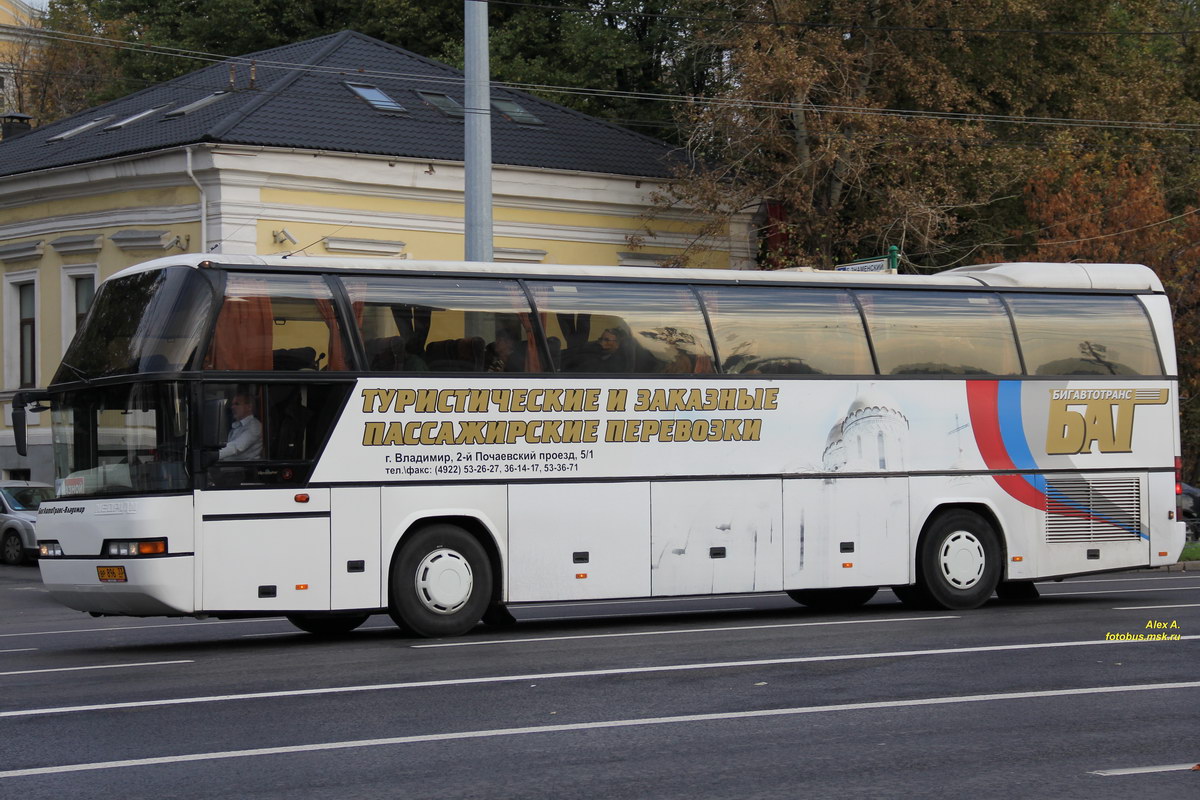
x=132 y=119
x=378 y=99
x=87 y=126
x=444 y=103
x=85 y=290
x=27 y=307
x=77 y=290
x=196 y=105
x=515 y=112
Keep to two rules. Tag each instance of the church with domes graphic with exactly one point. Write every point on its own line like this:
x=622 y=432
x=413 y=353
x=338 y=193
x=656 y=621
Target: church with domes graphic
x=872 y=437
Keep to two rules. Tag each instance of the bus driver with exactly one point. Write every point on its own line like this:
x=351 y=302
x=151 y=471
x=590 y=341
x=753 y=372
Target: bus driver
x=245 y=434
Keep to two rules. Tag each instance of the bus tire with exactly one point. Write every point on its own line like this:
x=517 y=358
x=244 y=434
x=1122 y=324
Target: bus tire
x=327 y=624
x=958 y=562
x=841 y=599
x=441 y=582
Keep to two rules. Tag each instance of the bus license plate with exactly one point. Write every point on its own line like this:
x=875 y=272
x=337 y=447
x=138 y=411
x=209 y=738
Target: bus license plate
x=111 y=574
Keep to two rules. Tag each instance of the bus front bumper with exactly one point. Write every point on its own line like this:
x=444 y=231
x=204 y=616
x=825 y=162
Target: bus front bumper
x=152 y=586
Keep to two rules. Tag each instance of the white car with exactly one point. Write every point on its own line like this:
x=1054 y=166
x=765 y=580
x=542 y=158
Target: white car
x=19 y=501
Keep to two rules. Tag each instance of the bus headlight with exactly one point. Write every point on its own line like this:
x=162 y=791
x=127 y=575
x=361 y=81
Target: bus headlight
x=49 y=548
x=124 y=548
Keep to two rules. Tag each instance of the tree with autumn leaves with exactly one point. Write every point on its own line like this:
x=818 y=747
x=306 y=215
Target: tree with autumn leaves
x=1123 y=212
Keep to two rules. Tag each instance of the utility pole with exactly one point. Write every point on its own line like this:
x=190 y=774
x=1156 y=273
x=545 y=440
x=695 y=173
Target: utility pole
x=477 y=194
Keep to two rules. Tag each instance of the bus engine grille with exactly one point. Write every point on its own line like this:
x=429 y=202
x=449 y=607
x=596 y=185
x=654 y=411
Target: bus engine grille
x=1106 y=510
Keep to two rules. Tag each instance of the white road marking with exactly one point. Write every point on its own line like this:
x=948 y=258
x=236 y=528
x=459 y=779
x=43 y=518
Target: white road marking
x=148 y=627
x=535 y=640
x=588 y=673
x=96 y=666
x=19 y=650
x=1144 y=770
x=1121 y=591
x=1143 y=608
x=588 y=726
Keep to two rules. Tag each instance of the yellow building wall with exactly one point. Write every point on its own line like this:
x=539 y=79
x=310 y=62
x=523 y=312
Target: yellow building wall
x=434 y=245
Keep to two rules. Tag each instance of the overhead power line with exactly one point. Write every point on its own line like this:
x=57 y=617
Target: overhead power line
x=456 y=81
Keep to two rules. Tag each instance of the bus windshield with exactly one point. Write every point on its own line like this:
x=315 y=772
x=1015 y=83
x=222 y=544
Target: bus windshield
x=121 y=439
x=146 y=322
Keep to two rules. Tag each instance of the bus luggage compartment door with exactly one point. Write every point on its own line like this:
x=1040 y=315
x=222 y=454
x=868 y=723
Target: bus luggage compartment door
x=578 y=541
x=713 y=537
x=846 y=532
x=263 y=550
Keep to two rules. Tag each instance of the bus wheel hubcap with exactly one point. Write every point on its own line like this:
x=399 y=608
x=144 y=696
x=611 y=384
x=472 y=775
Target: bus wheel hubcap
x=962 y=560
x=444 y=581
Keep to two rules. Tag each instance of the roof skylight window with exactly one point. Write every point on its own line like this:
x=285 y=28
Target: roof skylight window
x=130 y=120
x=444 y=103
x=198 y=104
x=378 y=99
x=87 y=126
x=513 y=111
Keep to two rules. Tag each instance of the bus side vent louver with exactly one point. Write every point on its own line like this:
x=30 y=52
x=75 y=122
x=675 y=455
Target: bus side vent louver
x=1106 y=510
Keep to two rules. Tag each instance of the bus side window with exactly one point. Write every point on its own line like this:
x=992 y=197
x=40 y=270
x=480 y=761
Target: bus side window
x=1094 y=335
x=612 y=327
x=411 y=324
x=783 y=331
x=940 y=333
x=277 y=322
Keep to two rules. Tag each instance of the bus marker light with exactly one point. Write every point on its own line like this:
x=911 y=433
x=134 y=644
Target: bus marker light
x=301 y=498
x=1162 y=553
x=847 y=564
x=300 y=587
x=1018 y=558
x=580 y=575
x=124 y=548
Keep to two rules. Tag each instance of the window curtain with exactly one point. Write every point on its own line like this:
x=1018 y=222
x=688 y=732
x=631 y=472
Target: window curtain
x=244 y=335
x=337 y=345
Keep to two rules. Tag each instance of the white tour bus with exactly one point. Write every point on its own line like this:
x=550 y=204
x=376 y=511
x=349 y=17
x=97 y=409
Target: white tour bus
x=329 y=439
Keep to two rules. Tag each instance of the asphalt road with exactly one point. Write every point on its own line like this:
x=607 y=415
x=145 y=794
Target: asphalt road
x=731 y=697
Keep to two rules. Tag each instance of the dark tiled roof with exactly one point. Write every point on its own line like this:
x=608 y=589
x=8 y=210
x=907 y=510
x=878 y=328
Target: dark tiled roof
x=299 y=99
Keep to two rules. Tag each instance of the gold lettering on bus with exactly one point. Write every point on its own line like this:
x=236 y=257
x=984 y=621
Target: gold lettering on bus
x=1080 y=418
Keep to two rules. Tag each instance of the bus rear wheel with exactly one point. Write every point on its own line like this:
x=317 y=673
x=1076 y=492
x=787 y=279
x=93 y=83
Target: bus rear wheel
x=958 y=562
x=441 y=582
x=327 y=624
x=842 y=599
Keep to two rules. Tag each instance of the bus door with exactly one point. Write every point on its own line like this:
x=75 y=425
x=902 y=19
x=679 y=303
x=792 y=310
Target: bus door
x=263 y=550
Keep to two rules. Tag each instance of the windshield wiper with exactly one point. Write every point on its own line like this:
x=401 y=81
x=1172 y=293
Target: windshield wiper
x=83 y=376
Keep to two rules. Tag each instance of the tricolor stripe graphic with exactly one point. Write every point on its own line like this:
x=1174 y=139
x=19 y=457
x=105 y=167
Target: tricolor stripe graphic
x=995 y=410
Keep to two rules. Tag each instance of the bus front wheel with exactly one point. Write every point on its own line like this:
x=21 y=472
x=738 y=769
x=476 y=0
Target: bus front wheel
x=958 y=565
x=441 y=582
